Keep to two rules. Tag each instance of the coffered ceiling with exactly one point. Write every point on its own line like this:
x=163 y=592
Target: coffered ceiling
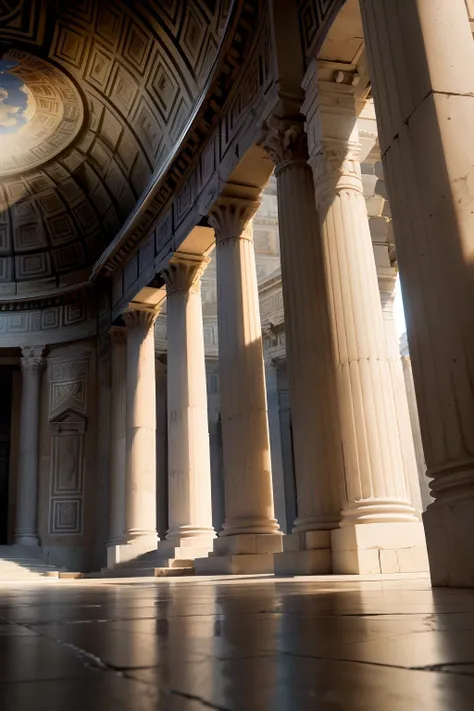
x=109 y=86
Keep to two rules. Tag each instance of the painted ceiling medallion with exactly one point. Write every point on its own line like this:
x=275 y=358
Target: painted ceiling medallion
x=41 y=112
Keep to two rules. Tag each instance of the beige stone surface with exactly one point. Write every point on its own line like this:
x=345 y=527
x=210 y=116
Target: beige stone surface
x=426 y=136
x=303 y=562
x=189 y=466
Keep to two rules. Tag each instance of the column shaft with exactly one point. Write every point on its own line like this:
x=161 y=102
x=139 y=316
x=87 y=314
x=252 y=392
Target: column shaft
x=424 y=98
x=26 y=526
x=140 y=485
x=316 y=437
x=189 y=467
x=375 y=485
x=247 y=467
x=118 y=436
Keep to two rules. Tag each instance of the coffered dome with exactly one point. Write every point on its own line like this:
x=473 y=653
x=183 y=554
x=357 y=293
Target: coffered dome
x=94 y=94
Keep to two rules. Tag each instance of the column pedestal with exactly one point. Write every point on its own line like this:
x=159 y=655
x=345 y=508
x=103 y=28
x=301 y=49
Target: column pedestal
x=250 y=532
x=379 y=530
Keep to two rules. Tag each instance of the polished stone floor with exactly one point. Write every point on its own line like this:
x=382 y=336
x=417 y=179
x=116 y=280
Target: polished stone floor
x=249 y=643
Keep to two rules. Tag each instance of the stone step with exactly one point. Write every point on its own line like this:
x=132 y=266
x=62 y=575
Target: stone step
x=147 y=572
x=25 y=562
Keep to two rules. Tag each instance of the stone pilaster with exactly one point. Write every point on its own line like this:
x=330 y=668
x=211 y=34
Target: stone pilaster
x=250 y=530
x=375 y=486
x=190 y=532
x=316 y=437
x=140 y=479
x=424 y=99
x=118 y=443
x=26 y=524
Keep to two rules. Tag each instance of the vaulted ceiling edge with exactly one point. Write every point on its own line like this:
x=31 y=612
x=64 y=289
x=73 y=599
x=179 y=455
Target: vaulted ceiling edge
x=94 y=97
x=167 y=180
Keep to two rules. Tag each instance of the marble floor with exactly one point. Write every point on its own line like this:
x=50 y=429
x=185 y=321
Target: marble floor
x=195 y=644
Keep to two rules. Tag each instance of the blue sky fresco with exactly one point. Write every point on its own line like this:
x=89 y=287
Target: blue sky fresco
x=13 y=100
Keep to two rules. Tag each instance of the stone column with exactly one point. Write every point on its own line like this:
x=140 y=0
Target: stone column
x=140 y=480
x=424 y=99
x=316 y=436
x=380 y=531
x=26 y=525
x=161 y=445
x=387 y=294
x=278 y=477
x=250 y=530
x=118 y=444
x=190 y=532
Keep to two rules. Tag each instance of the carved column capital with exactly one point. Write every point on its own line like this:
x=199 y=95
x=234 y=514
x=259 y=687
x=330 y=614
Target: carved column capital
x=184 y=273
x=32 y=359
x=118 y=334
x=142 y=319
x=230 y=218
x=285 y=141
x=335 y=167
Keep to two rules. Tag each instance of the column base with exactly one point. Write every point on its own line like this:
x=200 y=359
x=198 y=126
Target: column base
x=242 y=554
x=307 y=553
x=26 y=540
x=183 y=549
x=126 y=552
x=373 y=548
x=449 y=530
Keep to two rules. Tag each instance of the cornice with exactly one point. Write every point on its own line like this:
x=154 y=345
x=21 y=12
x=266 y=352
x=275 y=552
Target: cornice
x=165 y=183
x=40 y=300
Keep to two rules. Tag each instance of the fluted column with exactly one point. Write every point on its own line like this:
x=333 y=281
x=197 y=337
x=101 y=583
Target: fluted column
x=374 y=480
x=26 y=524
x=424 y=99
x=118 y=442
x=387 y=287
x=189 y=467
x=245 y=437
x=140 y=479
x=316 y=437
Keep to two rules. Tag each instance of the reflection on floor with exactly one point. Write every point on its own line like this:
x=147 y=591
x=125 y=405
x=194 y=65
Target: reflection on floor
x=250 y=644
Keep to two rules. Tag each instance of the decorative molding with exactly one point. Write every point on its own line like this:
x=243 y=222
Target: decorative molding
x=316 y=17
x=284 y=141
x=335 y=166
x=68 y=385
x=32 y=358
x=67 y=473
x=140 y=318
x=239 y=42
x=184 y=273
x=231 y=218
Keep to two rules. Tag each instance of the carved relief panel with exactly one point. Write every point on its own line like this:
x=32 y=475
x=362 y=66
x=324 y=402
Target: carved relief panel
x=68 y=422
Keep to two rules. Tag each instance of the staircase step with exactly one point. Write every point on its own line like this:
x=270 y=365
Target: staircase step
x=25 y=562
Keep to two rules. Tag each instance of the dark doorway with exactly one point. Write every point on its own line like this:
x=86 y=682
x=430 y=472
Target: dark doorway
x=5 y=425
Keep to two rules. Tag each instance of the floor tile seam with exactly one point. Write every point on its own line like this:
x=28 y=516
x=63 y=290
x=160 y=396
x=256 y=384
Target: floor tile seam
x=427 y=668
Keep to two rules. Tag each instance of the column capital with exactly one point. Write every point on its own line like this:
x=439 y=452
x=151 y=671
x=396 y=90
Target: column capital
x=285 y=141
x=32 y=358
x=139 y=318
x=336 y=167
x=184 y=272
x=230 y=218
x=117 y=334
